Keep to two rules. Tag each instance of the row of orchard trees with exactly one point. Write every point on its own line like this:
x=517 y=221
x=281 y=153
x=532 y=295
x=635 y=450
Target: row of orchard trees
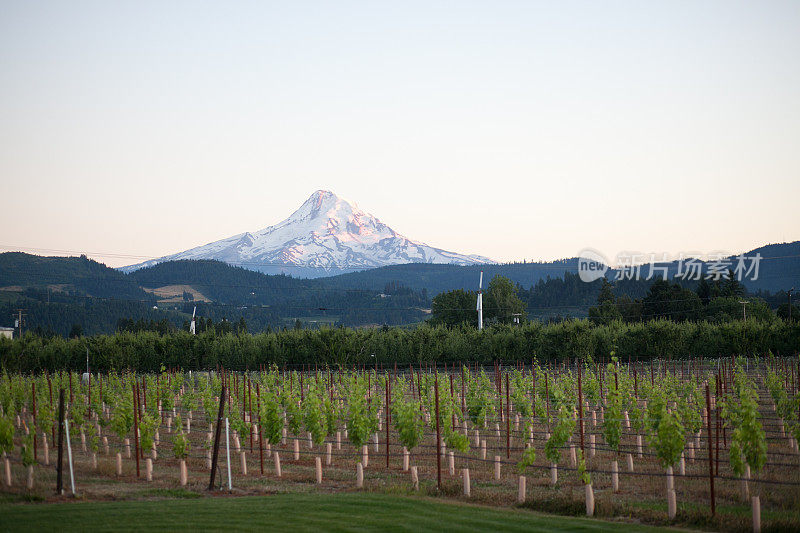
x=95 y=409
x=668 y=413
x=148 y=351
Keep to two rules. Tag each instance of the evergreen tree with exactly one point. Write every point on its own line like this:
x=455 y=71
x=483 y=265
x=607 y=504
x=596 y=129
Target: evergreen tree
x=731 y=287
x=704 y=291
x=607 y=309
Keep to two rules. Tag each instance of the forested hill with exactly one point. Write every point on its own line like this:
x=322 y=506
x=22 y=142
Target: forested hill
x=58 y=278
x=224 y=283
x=441 y=278
x=780 y=268
x=69 y=275
x=59 y=293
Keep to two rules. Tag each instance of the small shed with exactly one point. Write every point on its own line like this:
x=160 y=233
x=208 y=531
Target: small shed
x=6 y=332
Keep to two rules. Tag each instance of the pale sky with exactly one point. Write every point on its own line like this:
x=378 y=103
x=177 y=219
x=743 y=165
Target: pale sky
x=509 y=129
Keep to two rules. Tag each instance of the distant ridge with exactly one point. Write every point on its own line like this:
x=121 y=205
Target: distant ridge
x=779 y=269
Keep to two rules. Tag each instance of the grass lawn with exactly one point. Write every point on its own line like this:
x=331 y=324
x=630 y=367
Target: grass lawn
x=298 y=512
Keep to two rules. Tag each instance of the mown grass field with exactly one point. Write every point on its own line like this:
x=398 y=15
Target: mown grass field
x=295 y=512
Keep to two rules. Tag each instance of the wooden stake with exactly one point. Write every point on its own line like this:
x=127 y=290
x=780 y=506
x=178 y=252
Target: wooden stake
x=710 y=451
x=60 y=471
x=217 y=431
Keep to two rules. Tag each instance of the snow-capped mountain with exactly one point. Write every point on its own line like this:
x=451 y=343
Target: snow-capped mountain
x=325 y=236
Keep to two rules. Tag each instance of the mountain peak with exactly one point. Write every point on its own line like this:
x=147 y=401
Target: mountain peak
x=321 y=196
x=326 y=235
x=325 y=205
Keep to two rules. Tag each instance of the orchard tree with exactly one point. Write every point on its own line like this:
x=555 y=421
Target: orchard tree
x=502 y=301
x=453 y=308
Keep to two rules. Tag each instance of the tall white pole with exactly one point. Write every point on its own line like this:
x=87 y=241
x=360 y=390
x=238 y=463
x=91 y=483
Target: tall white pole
x=480 y=302
x=228 y=453
x=69 y=458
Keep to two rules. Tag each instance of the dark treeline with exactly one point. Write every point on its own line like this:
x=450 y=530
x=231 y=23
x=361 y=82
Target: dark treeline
x=66 y=295
x=634 y=300
x=558 y=295
x=716 y=301
x=90 y=315
x=147 y=351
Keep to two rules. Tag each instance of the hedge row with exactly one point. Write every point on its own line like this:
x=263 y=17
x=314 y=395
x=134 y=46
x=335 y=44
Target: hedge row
x=148 y=351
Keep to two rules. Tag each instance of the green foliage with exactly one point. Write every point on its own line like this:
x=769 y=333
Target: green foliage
x=591 y=385
x=271 y=418
x=237 y=423
x=454 y=307
x=26 y=450
x=563 y=404
x=314 y=416
x=189 y=400
x=147 y=351
x=209 y=403
x=448 y=408
x=6 y=433
x=612 y=420
x=562 y=430
x=331 y=410
x=528 y=459
x=787 y=408
x=668 y=438
x=406 y=416
x=728 y=309
x=480 y=398
x=147 y=430
x=45 y=416
x=294 y=415
x=748 y=440
x=180 y=443
x=502 y=301
x=607 y=310
x=92 y=437
x=585 y=477
x=362 y=420
x=521 y=390
x=457 y=441
x=122 y=417
x=165 y=392
x=77 y=411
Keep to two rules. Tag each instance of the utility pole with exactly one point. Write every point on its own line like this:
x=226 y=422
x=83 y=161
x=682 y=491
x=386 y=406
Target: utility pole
x=20 y=320
x=789 y=294
x=744 y=309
